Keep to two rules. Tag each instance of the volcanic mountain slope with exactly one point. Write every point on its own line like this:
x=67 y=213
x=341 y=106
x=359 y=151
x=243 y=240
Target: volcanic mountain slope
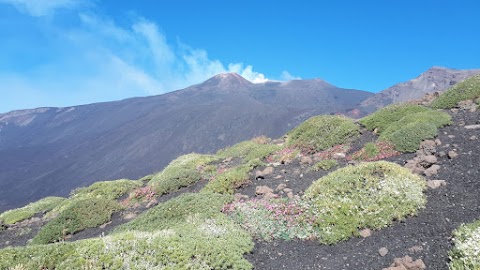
x=436 y=79
x=49 y=151
x=331 y=194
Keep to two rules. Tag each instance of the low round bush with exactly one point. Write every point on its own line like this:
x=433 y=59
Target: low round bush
x=369 y=195
x=227 y=182
x=175 y=211
x=28 y=211
x=324 y=165
x=79 y=215
x=183 y=248
x=107 y=189
x=383 y=118
x=438 y=119
x=248 y=151
x=468 y=89
x=181 y=172
x=187 y=232
x=322 y=132
x=408 y=138
x=466 y=252
x=406 y=125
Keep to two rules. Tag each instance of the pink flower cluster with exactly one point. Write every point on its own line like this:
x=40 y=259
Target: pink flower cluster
x=289 y=213
x=385 y=150
x=144 y=192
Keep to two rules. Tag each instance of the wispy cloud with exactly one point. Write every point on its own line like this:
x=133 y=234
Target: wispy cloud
x=42 y=7
x=286 y=76
x=143 y=50
x=98 y=60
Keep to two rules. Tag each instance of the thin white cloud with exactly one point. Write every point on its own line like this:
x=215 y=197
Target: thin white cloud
x=286 y=76
x=39 y=8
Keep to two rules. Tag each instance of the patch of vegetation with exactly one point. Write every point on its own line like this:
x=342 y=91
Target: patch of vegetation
x=369 y=195
x=181 y=172
x=407 y=139
x=177 y=211
x=146 y=178
x=325 y=165
x=229 y=180
x=465 y=254
x=110 y=190
x=79 y=215
x=468 y=89
x=262 y=139
x=37 y=257
x=322 y=132
x=274 y=219
x=251 y=154
x=285 y=155
x=384 y=117
x=211 y=245
x=375 y=151
x=251 y=151
x=205 y=233
x=188 y=232
x=436 y=118
x=28 y=211
x=371 y=149
x=406 y=125
x=107 y=189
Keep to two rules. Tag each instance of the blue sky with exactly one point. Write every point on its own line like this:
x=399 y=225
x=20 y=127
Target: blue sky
x=70 y=52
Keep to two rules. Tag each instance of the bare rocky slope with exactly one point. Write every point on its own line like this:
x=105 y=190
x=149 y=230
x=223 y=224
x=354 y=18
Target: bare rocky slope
x=435 y=79
x=50 y=151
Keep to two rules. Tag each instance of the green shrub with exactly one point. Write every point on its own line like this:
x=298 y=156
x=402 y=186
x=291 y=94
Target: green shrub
x=248 y=151
x=107 y=189
x=383 y=118
x=371 y=149
x=28 y=211
x=181 y=172
x=369 y=195
x=146 y=178
x=325 y=165
x=188 y=232
x=408 y=138
x=37 y=257
x=177 y=211
x=468 y=89
x=436 y=118
x=218 y=244
x=465 y=253
x=79 y=215
x=406 y=125
x=226 y=182
x=322 y=132
x=110 y=190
